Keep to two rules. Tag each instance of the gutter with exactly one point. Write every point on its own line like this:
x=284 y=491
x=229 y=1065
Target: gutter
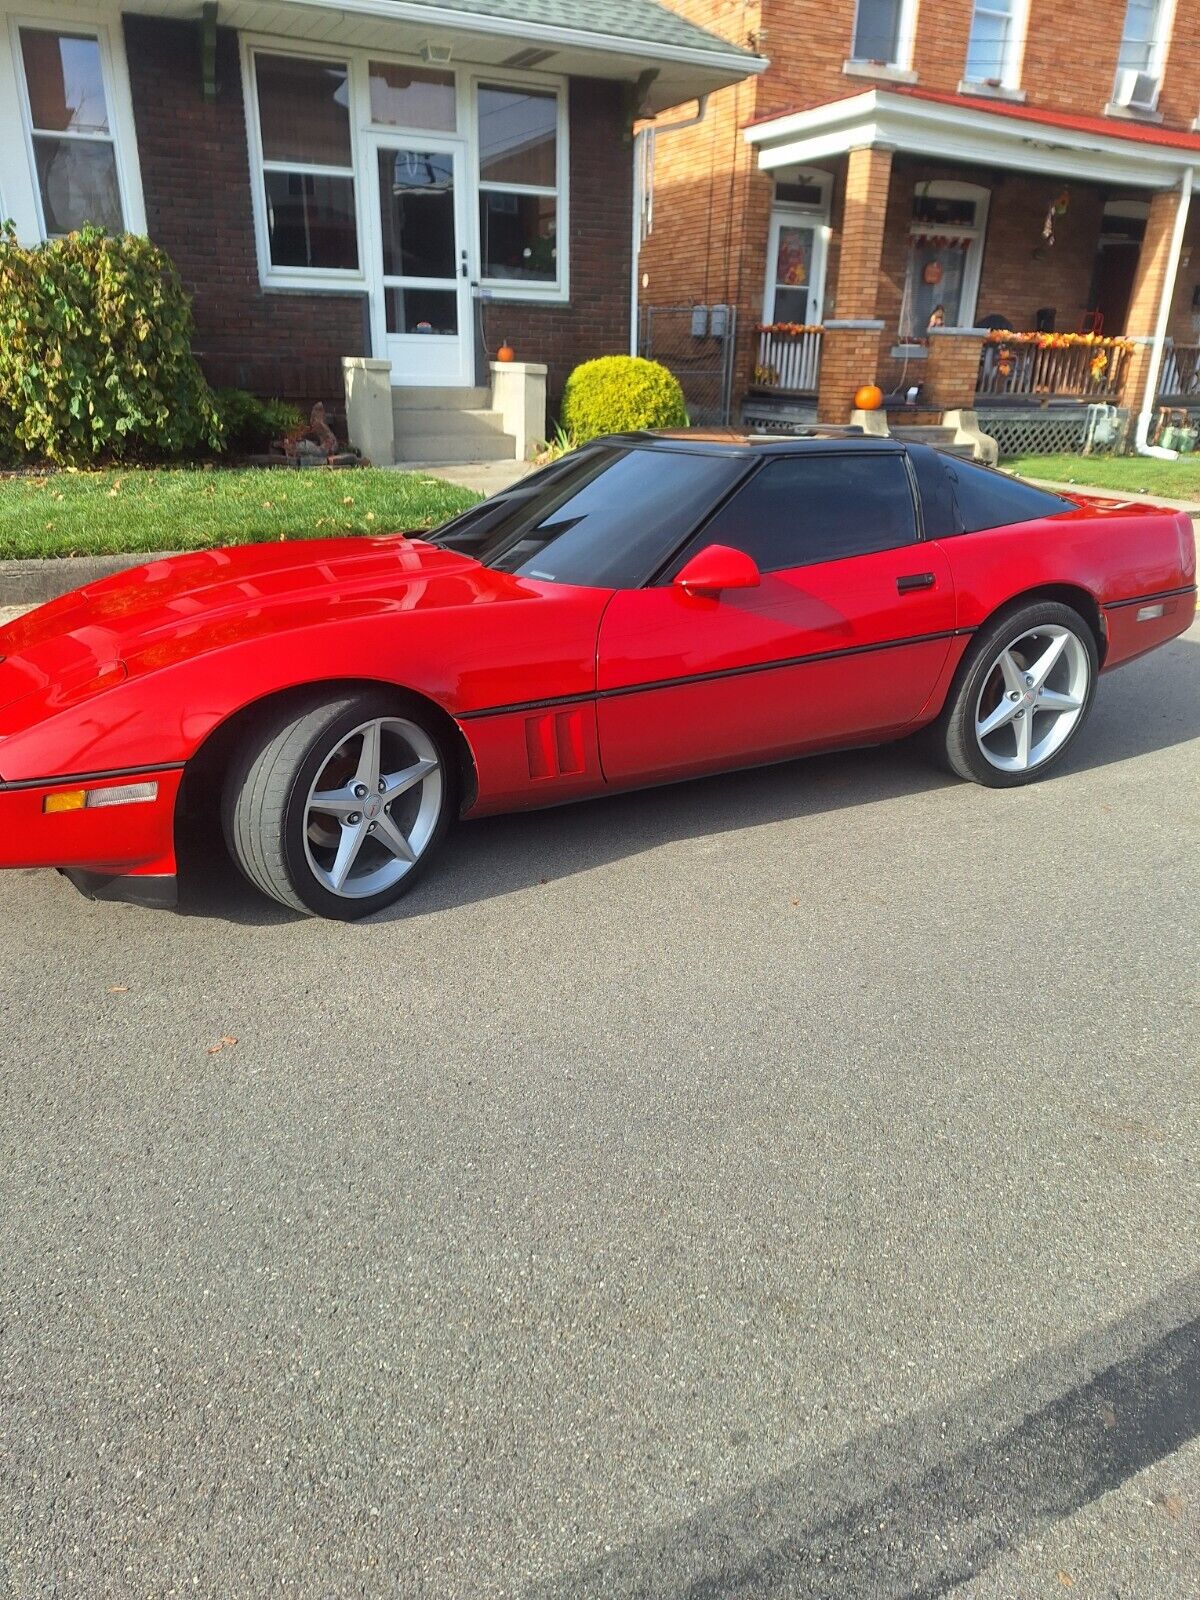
x=643 y=154
x=1142 y=432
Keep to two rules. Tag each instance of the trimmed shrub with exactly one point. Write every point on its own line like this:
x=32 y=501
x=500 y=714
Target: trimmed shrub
x=252 y=424
x=95 y=352
x=615 y=394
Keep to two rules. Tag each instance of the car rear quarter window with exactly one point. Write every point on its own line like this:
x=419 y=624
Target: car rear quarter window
x=989 y=499
x=798 y=510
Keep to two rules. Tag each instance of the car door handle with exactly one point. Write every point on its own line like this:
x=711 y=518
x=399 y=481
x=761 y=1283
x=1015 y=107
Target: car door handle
x=914 y=580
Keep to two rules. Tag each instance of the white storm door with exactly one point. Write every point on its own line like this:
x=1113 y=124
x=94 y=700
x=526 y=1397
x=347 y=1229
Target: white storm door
x=795 y=288
x=422 y=298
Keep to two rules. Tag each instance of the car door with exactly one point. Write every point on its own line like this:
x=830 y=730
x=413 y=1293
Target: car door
x=841 y=641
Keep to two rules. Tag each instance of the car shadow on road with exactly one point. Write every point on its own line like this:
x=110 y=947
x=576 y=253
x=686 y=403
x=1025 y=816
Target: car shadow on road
x=501 y=855
x=920 y=1506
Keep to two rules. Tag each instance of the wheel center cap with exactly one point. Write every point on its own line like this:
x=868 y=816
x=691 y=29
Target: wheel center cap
x=371 y=808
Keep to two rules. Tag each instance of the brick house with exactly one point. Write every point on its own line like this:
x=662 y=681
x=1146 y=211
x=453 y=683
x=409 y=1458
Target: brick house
x=402 y=182
x=974 y=164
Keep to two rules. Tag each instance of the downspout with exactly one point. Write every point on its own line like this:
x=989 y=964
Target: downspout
x=1142 y=433
x=640 y=141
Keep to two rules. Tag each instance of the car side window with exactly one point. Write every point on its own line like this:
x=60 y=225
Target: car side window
x=798 y=510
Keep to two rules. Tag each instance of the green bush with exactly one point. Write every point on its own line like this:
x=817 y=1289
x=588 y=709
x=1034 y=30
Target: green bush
x=95 y=352
x=252 y=424
x=615 y=394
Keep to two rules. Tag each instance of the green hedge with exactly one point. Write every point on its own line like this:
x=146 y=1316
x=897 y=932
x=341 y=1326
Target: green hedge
x=95 y=352
x=616 y=394
x=252 y=424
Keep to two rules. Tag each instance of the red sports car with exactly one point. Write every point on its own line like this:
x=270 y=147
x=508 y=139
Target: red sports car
x=650 y=607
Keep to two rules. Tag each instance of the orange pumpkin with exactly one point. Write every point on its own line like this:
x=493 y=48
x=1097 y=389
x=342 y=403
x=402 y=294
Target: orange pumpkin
x=868 y=398
x=506 y=352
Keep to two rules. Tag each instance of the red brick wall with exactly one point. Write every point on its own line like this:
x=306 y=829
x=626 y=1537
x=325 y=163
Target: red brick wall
x=196 y=178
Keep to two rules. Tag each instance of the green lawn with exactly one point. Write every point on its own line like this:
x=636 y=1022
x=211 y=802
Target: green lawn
x=1174 y=480
x=107 y=513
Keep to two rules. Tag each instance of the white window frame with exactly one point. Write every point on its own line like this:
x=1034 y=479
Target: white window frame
x=947 y=189
x=905 y=38
x=1014 y=51
x=271 y=276
x=467 y=82
x=18 y=168
x=556 y=291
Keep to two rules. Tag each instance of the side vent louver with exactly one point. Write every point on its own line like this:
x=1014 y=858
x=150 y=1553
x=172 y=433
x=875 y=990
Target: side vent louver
x=554 y=744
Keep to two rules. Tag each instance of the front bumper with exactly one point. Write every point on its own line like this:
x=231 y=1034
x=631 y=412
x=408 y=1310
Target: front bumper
x=95 y=844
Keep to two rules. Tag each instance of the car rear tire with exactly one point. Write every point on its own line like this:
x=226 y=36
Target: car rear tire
x=335 y=807
x=1021 y=697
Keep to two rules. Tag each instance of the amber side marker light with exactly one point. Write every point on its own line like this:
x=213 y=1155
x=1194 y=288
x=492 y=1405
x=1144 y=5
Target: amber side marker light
x=121 y=794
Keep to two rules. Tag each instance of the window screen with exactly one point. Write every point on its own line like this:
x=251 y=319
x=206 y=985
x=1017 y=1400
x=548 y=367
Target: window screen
x=804 y=509
x=988 y=499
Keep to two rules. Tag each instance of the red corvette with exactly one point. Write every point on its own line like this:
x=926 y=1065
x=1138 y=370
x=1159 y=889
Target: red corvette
x=651 y=607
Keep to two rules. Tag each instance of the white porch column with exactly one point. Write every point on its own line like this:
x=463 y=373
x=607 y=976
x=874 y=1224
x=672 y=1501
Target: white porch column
x=369 y=419
x=519 y=395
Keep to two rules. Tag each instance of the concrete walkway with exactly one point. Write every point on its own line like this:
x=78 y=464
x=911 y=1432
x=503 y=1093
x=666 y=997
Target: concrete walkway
x=484 y=477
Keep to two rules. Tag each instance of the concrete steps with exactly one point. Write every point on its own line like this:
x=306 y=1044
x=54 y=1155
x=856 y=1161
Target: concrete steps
x=933 y=434
x=446 y=427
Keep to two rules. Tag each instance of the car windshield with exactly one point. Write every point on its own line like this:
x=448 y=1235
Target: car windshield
x=606 y=516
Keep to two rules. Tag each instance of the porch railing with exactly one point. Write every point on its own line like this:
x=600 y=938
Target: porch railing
x=789 y=361
x=1180 y=378
x=1083 y=369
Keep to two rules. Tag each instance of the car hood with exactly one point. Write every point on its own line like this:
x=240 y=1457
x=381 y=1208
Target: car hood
x=183 y=605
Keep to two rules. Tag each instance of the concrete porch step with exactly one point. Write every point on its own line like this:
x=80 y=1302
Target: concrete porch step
x=452 y=447
x=937 y=436
x=468 y=424
x=425 y=399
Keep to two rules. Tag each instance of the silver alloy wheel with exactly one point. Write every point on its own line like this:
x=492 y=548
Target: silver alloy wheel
x=1032 y=697
x=373 y=807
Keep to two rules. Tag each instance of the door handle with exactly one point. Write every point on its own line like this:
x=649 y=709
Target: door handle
x=914 y=580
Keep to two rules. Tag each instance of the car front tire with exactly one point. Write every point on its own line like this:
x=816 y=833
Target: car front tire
x=336 y=807
x=1022 y=696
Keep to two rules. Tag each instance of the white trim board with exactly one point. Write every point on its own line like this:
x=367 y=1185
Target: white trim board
x=961 y=133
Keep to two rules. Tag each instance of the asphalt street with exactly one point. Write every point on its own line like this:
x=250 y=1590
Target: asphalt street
x=780 y=1185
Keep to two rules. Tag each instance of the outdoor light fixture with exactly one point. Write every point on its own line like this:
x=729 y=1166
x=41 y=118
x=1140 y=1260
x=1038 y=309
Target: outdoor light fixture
x=435 y=55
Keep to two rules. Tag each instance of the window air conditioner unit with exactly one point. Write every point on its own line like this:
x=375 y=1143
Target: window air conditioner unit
x=1136 y=90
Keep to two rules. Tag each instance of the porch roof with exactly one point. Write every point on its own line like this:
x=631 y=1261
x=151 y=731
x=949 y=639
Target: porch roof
x=621 y=39
x=990 y=133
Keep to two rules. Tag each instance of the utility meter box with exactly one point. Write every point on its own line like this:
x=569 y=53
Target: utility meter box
x=699 y=321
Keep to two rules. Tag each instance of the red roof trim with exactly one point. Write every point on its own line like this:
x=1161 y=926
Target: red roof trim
x=1106 y=127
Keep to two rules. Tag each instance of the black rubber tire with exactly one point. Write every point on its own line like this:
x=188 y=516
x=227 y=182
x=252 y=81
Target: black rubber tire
x=954 y=733
x=267 y=785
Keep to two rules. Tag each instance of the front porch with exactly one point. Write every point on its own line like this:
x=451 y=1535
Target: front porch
x=1032 y=287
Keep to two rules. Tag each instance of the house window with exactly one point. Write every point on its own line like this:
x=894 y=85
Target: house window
x=1141 y=47
x=307 y=163
x=881 y=29
x=944 y=255
x=992 y=48
x=74 y=152
x=518 y=184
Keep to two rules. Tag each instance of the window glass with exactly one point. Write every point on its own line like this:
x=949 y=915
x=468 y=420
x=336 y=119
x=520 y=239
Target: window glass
x=517 y=137
x=65 y=81
x=1138 y=40
x=78 y=182
x=606 y=517
x=518 y=236
x=416 y=190
x=310 y=220
x=991 y=35
x=877 y=30
x=804 y=509
x=988 y=499
x=412 y=97
x=303 y=111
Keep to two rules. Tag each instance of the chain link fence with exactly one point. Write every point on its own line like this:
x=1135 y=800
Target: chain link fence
x=697 y=344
